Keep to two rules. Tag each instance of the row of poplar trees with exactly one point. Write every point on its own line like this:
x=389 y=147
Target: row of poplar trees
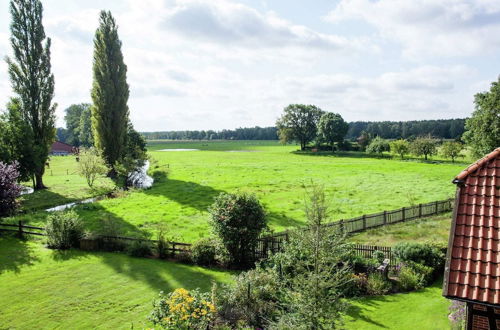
x=28 y=126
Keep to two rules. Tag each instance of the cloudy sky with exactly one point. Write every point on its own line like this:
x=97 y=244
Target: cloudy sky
x=218 y=64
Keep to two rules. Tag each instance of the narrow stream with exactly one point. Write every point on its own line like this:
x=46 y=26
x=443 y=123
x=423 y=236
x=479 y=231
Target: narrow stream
x=137 y=179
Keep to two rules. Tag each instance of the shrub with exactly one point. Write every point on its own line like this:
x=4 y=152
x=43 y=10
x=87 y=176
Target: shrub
x=64 y=230
x=139 y=248
x=203 y=252
x=9 y=189
x=357 y=286
x=409 y=279
x=183 y=309
x=238 y=219
x=421 y=253
x=425 y=272
x=162 y=247
x=379 y=256
x=377 y=145
x=377 y=284
x=252 y=299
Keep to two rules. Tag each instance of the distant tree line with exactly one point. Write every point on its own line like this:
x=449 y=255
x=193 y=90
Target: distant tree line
x=441 y=128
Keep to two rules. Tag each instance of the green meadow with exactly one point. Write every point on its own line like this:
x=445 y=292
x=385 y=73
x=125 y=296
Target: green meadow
x=188 y=182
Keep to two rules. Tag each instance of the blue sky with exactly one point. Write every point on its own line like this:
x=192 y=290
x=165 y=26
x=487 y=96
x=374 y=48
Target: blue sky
x=223 y=64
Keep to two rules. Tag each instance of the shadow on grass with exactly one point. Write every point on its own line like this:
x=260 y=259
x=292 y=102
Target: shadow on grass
x=187 y=193
x=43 y=199
x=15 y=253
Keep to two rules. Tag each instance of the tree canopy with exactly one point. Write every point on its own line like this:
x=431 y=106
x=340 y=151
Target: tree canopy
x=32 y=80
x=332 y=128
x=483 y=128
x=299 y=123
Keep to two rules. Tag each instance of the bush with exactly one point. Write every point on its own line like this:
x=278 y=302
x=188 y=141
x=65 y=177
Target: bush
x=162 y=247
x=421 y=253
x=251 y=300
x=357 y=286
x=64 y=230
x=377 y=284
x=377 y=145
x=203 y=252
x=139 y=248
x=409 y=279
x=425 y=272
x=183 y=309
x=9 y=189
x=238 y=220
x=379 y=256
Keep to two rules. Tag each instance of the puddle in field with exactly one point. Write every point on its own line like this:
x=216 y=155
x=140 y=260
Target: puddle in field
x=179 y=150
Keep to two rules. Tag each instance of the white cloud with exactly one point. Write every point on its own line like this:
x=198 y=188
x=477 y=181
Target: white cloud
x=429 y=27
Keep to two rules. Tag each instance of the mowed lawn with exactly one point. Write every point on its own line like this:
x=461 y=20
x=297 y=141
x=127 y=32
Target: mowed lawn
x=49 y=289
x=355 y=184
x=424 y=309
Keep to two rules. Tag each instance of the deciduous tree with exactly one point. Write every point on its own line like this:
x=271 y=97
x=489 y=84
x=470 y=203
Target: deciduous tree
x=400 y=147
x=451 y=149
x=332 y=128
x=483 y=127
x=424 y=146
x=32 y=79
x=299 y=123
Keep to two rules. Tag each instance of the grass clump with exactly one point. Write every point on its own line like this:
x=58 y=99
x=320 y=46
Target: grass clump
x=64 y=230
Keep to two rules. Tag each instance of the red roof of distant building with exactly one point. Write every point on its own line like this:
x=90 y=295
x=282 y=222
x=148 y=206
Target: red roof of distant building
x=473 y=264
x=58 y=146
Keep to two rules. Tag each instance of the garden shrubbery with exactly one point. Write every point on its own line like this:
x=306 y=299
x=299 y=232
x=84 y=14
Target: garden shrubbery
x=420 y=253
x=238 y=220
x=9 y=189
x=203 y=252
x=64 y=230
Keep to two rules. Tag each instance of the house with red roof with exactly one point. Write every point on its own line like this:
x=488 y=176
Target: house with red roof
x=62 y=149
x=472 y=271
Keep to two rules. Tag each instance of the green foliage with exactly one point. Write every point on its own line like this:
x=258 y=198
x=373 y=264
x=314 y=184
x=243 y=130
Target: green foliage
x=377 y=284
x=400 y=147
x=378 y=256
x=203 y=252
x=110 y=91
x=9 y=189
x=139 y=248
x=424 y=146
x=162 y=247
x=238 y=220
x=299 y=123
x=377 y=145
x=364 y=140
x=182 y=309
x=483 y=127
x=33 y=82
x=426 y=272
x=64 y=230
x=91 y=165
x=409 y=279
x=252 y=299
x=451 y=150
x=421 y=253
x=332 y=128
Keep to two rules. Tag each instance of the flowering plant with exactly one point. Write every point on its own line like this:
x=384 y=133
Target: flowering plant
x=457 y=314
x=183 y=309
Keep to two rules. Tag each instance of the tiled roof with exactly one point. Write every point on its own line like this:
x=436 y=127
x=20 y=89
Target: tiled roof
x=473 y=265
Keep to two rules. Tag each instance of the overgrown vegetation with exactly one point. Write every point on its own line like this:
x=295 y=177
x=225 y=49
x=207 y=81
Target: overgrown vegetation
x=9 y=188
x=64 y=230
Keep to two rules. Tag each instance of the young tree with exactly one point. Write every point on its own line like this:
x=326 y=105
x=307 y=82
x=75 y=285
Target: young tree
x=400 y=147
x=332 y=128
x=91 y=165
x=424 y=146
x=483 y=127
x=9 y=189
x=32 y=80
x=377 y=145
x=313 y=271
x=299 y=123
x=364 y=140
x=451 y=150
x=110 y=91
x=238 y=219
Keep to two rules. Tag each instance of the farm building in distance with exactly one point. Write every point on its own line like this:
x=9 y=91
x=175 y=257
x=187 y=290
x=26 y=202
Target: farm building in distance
x=472 y=272
x=62 y=149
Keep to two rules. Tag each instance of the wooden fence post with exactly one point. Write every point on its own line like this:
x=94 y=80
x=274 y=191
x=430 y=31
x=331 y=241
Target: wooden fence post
x=436 y=207
x=364 y=221
x=419 y=210
x=385 y=217
x=403 y=213
x=20 y=229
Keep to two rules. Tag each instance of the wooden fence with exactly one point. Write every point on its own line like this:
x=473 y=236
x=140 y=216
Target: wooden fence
x=269 y=244
x=367 y=251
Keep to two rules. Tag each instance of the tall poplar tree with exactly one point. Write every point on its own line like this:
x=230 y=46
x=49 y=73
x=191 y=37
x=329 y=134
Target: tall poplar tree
x=110 y=93
x=32 y=80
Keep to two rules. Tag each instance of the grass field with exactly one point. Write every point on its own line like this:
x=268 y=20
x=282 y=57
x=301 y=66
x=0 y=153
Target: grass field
x=424 y=309
x=48 y=289
x=354 y=182
x=433 y=229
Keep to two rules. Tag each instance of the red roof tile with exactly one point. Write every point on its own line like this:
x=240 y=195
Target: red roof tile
x=473 y=265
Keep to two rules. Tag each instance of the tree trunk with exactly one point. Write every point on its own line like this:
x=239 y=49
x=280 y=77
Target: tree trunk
x=39 y=182
x=333 y=147
x=425 y=156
